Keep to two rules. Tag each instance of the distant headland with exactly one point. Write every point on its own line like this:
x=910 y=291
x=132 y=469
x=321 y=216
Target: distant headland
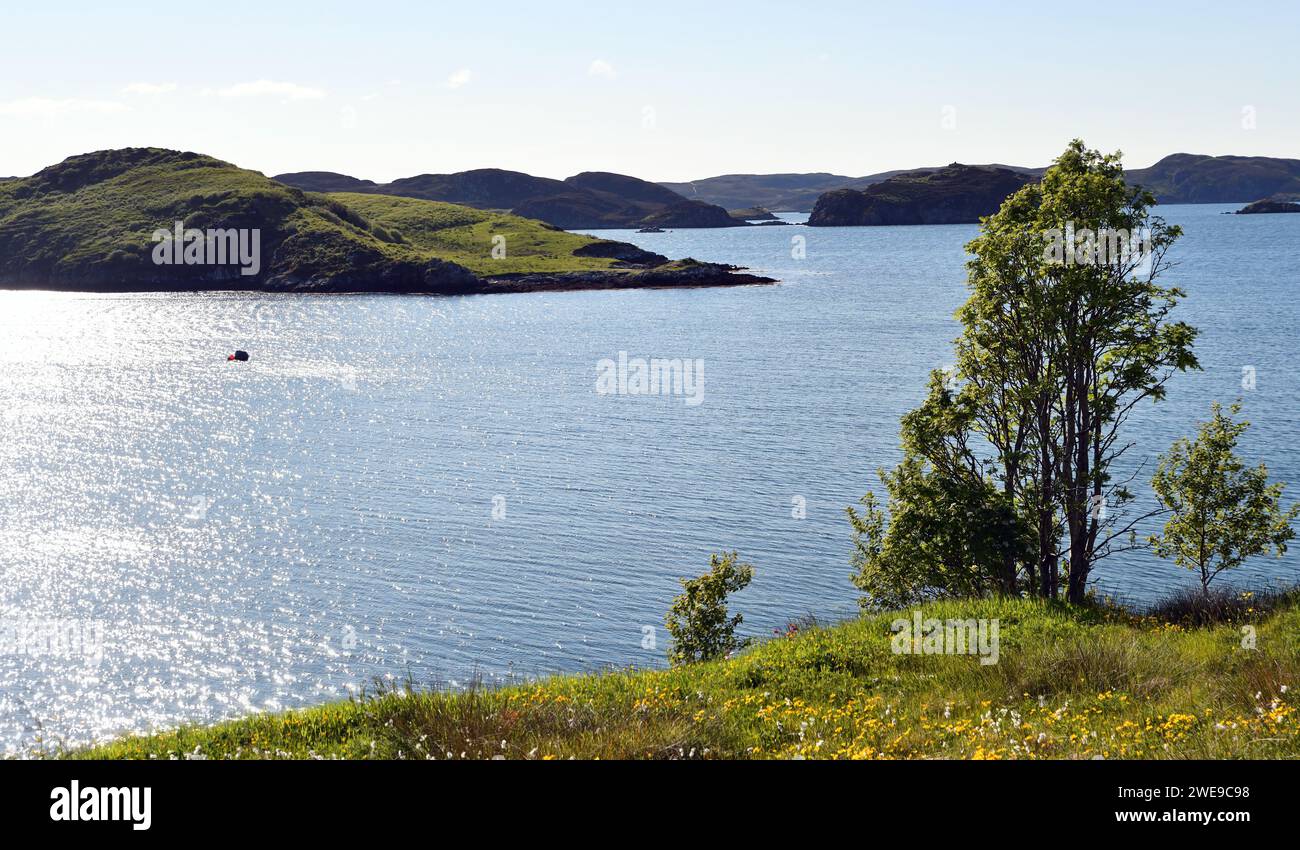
x=149 y=219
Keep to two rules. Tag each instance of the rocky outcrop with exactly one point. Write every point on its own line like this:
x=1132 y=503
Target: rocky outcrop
x=624 y=254
x=1269 y=206
x=682 y=274
x=752 y=214
x=691 y=214
x=957 y=194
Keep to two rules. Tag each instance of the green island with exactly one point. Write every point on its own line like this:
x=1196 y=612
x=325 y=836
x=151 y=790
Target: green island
x=88 y=224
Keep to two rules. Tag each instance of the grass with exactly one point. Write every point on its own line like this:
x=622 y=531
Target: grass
x=465 y=235
x=1191 y=606
x=1072 y=683
x=90 y=219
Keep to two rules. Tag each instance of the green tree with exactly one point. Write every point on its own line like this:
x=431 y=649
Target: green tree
x=946 y=538
x=698 y=619
x=951 y=531
x=1221 y=512
x=1065 y=332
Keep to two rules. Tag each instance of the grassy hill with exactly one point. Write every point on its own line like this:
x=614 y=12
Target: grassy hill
x=483 y=188
x=464 y=235
x=88 y=224
x=1185 y=178
x=1069 y=683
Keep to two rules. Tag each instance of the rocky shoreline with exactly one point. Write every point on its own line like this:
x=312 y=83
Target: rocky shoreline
x=1269 y=207
x=435 y=278
x=693 y=275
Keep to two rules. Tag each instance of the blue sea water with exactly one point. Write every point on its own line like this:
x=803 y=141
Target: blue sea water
x=433 y=488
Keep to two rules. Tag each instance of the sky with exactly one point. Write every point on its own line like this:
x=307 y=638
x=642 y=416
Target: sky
x=662 y=90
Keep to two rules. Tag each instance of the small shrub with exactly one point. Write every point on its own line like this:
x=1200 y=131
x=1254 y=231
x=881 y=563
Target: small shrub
x=1222 y=513
x=698 y=619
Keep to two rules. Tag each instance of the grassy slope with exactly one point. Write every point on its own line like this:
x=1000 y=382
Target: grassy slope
x=464 y=235
x=94 y=216
x=1069 y=684
x=121 y=211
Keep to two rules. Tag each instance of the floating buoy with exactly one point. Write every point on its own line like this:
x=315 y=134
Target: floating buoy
x=241 y=356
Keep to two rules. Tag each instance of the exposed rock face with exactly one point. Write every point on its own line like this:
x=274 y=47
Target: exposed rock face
x=1269 y=206
x=625 y=253
x=957 y=194
x=434 y=277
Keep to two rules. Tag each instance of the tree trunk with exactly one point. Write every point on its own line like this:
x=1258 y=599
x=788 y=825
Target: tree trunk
x=1048 y=568
x=1077 y=476
x=1009 y=559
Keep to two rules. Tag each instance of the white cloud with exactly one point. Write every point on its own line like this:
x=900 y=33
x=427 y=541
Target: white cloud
x=149 y=88
x=601 y=68
x=269 y=88
x=46 y=107
x=459 y=78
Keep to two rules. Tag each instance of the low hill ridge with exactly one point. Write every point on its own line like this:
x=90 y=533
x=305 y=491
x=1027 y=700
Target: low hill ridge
x=98 y=221
x=592 y=200
x=1181 y=178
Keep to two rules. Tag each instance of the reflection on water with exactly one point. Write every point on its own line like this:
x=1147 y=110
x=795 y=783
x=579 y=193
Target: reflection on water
x=433 y=488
